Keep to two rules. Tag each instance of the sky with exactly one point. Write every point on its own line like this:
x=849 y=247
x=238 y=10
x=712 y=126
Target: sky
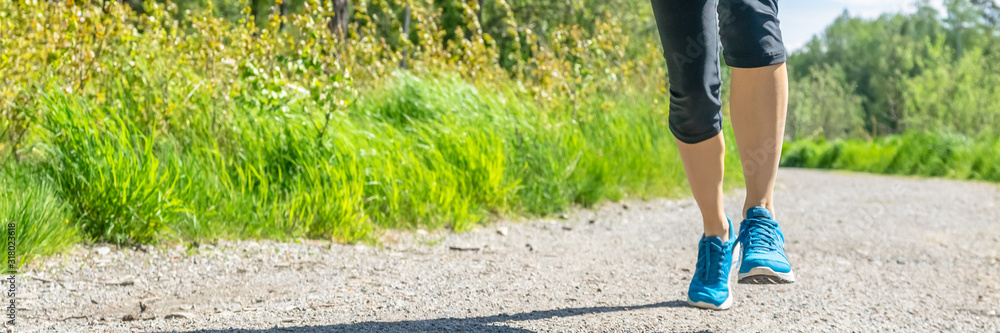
x=801 y=19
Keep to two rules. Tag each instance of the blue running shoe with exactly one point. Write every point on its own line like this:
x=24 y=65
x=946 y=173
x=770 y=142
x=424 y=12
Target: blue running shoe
x=763 y=259
x=709 y=288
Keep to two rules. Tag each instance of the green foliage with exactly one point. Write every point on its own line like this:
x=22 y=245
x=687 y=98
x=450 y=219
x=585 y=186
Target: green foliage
x=187 y=122
x=108 y=172
x=41 y=218
x=160 y=121
x=937 y=154
x=822 y=105
x=911 y=71
x=929 y=81
x=420 y=152
x=955 y=96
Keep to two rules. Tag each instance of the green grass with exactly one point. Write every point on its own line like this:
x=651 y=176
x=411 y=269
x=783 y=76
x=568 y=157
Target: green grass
x=428 y=152
x=418 y=152
x=41 y=219
x=109 y=173
x=925 y=154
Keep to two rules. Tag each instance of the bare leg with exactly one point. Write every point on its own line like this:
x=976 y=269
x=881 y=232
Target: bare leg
x=704 y=166
x=758 y=102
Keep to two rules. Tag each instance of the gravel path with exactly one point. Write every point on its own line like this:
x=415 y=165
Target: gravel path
x=871 y=253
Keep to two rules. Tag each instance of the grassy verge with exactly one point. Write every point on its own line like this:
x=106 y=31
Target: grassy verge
x=164 y=125
x=925 y=154
x=418 y=152
x=32 y=211
x=429 y=151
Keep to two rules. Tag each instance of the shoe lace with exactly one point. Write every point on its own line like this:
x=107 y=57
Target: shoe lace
x=761 y=236
x=710 y=256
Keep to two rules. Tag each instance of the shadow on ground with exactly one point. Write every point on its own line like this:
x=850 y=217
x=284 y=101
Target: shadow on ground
x=476 y=324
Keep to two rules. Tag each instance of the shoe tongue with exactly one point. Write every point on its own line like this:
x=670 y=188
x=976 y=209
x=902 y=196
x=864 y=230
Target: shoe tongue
x=757 y=212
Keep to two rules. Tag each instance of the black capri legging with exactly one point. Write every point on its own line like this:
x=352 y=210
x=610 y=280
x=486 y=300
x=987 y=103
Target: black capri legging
x=690 y=31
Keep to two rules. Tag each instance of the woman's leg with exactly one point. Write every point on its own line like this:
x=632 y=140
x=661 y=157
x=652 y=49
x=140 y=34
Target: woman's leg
x=753 y=47
x=703 y=164
x=758 y=101
x=689 y=35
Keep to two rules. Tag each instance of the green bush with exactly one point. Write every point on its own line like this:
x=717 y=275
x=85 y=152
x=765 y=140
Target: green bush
x=939 y=154
x=823 y=104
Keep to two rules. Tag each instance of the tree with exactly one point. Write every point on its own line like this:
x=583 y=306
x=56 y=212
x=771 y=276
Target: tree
x=823 y=104
x=340 y=18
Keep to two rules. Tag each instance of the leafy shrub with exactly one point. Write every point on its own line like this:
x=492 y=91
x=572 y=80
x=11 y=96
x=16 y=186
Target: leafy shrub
x=938 y=154
x=824 y=104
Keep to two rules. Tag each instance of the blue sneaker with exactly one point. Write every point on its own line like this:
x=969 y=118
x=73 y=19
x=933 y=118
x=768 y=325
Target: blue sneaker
x=709 y=287
x=763 y=259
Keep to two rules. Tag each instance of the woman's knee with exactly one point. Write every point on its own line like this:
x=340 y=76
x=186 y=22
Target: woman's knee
x=750 y=33
x=695 y=112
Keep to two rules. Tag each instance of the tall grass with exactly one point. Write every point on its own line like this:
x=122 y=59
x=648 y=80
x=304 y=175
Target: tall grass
x=108 y=171
x=161 y=126
x=420 y=152
x=928 y=154
x=43 y=223
x=212 y=129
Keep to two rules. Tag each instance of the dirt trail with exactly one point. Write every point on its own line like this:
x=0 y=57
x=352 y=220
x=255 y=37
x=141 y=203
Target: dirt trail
x=871 y=253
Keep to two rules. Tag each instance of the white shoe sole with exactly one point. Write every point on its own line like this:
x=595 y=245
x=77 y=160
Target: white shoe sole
x=724 y=306
x=765 y=275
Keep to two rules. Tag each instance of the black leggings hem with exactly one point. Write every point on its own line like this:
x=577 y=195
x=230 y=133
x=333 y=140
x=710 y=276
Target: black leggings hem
x=682 y=137
x=756 y=62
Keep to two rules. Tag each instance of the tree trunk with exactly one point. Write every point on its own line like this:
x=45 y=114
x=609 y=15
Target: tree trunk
x=479 y=12
x=281 y=15
x=406 y=33
x=254 y=12
x=338 y=23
